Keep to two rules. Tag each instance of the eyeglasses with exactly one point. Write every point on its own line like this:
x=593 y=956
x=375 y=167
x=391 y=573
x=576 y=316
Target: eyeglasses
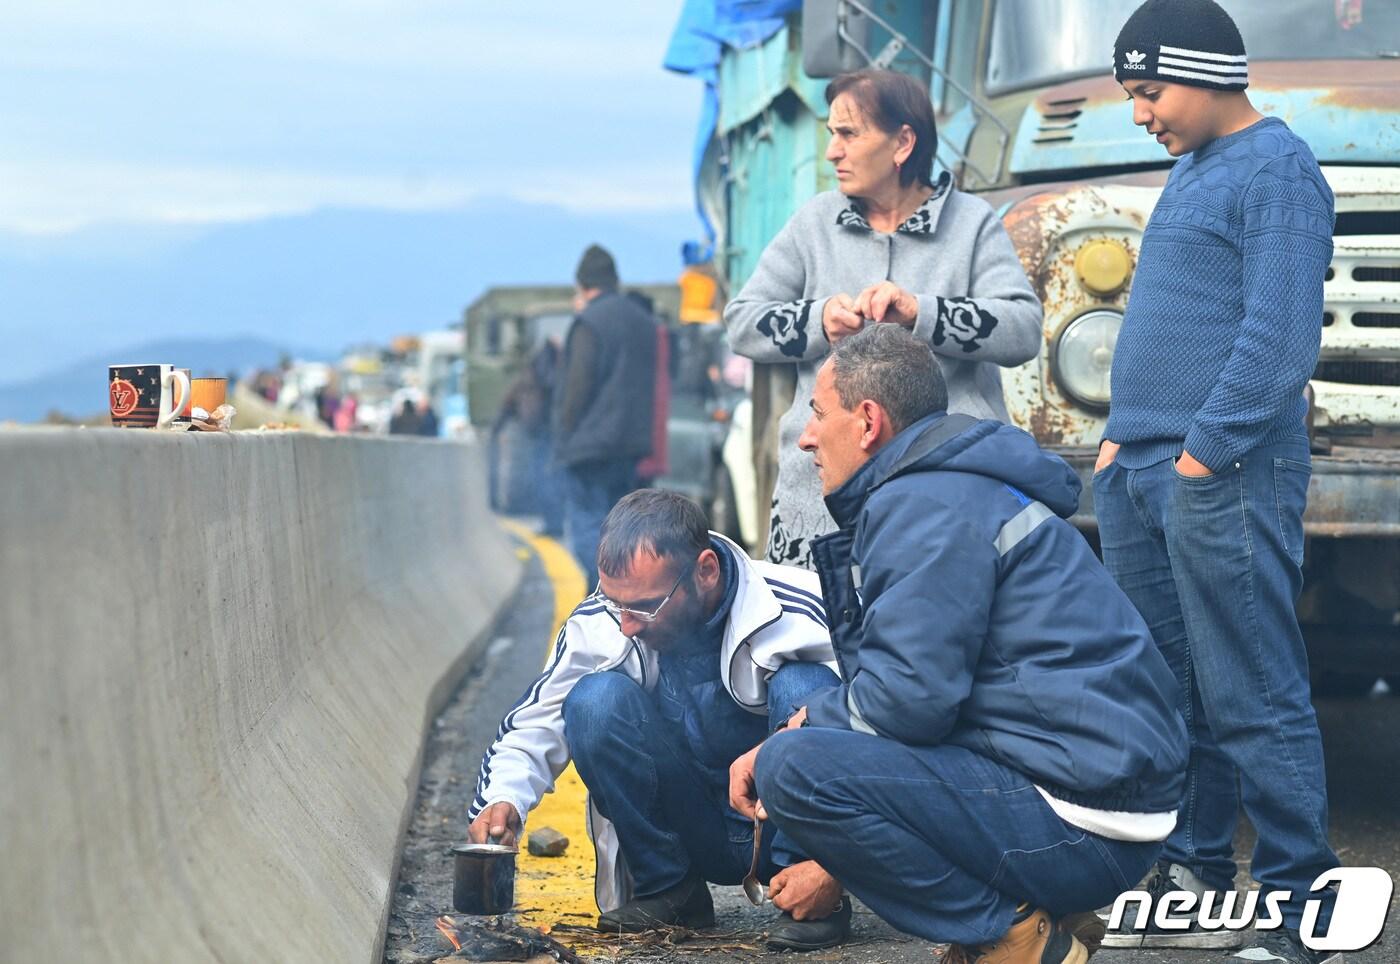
x=637 y=614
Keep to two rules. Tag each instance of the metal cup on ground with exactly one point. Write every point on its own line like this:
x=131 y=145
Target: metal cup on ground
x=483 y=878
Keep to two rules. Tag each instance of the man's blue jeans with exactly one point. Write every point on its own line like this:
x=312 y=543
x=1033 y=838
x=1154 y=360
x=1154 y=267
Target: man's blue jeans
x=938 y=841
x=1214 y=566
x=672 y=820
x=591 y=489
x=548 y=481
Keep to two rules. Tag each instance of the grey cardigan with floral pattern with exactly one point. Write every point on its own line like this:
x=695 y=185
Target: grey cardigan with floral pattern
x=976 y=309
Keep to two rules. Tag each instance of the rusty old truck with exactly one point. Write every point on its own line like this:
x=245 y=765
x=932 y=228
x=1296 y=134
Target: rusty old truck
x=1032 y=120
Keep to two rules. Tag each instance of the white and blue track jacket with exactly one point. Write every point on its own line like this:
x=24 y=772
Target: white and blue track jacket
x=777 y=617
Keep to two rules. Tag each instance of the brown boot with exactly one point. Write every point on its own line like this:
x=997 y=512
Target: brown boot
x=1034 y=938
x=1088 y=928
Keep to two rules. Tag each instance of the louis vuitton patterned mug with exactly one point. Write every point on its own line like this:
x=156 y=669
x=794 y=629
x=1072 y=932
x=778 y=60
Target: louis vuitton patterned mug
x=146 y=396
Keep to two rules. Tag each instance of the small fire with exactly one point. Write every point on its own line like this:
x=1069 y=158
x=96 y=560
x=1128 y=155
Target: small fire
x=448 y=926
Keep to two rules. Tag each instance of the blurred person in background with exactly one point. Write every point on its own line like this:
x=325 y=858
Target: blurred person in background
x=345 y=414
x=328 y=401
x=891 y=244
x=528 y=402
x=406 y=420
x=268 y=384
x=427 y=419
x=602 y=417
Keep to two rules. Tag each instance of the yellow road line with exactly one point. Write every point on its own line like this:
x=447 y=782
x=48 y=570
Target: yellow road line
x=552 y=890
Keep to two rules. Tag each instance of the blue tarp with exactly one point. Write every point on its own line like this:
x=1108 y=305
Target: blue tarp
x=705 y=28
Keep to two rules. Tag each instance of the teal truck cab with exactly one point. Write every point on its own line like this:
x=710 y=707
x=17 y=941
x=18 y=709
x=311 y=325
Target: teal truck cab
x=1031 y=118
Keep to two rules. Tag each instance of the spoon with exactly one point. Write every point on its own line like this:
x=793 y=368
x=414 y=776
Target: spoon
x=753 y=890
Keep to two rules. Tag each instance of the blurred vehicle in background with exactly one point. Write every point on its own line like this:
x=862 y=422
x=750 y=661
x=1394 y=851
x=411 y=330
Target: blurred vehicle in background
x=366 y=378
x=364 y=389
x=454 y=419
x=302 y=381
x=432 y=371
x=503 y=328
x=703 y=402
x=440 y=372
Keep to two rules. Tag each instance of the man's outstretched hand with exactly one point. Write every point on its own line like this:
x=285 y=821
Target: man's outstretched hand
x=805 y=891
x=498 y=823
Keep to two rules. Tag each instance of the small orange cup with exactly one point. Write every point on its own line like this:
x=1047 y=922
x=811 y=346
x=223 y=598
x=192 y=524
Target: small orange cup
x=208 y=393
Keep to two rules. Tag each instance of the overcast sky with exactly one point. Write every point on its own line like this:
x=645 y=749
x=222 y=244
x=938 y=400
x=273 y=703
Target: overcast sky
x=163 y=111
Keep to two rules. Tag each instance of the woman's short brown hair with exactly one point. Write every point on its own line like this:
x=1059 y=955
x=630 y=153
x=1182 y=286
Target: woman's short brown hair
x=890 y=100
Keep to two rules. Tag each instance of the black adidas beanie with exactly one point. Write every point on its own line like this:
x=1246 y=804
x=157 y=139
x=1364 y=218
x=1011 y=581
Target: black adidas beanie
x=596 y=269
x=1191 y=42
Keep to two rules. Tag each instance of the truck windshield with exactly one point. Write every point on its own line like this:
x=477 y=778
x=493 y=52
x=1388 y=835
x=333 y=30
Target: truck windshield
x=1034 y=42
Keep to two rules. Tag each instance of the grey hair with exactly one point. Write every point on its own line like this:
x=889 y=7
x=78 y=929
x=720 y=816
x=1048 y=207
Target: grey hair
x=665 y=524
x=893 y=369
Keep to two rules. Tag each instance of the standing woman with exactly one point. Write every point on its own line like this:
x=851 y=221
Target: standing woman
x=891 y=244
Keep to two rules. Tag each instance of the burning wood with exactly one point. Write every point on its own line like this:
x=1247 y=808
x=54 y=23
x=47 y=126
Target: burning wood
x=449 y=931
x=499 y=939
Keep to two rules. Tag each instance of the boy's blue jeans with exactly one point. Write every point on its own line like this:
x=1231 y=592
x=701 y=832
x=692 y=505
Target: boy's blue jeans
x=1214 y=565
x=938 y=841
x=672 y=819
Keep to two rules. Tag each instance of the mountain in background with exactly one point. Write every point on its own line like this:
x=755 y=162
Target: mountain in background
x=80 y=389
x=319 y=281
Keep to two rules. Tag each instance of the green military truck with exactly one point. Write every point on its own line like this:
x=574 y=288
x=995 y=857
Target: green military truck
x=507 y=324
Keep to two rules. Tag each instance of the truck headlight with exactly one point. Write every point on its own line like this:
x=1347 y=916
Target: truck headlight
x=1084 y=357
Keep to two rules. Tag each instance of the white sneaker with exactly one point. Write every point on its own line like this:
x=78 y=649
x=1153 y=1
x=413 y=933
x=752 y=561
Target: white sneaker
x=1168 y=878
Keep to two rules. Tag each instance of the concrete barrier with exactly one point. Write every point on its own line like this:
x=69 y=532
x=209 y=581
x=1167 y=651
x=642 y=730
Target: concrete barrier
x=218 y=654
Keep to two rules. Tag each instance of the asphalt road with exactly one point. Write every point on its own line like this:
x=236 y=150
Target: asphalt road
x=1362 y=739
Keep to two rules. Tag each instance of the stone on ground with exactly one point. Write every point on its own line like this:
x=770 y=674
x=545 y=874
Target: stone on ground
x=547 y=842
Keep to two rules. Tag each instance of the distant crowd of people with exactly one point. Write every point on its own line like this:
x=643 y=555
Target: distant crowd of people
x=340 y=410
x=413 y=419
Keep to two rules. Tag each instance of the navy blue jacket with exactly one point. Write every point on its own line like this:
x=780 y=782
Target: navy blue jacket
x=965 y=610
x=603 y=407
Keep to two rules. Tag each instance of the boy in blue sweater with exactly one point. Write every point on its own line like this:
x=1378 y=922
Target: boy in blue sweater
x=1202 y=475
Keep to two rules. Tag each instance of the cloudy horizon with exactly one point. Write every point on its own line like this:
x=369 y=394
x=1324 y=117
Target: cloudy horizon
x=149 y=113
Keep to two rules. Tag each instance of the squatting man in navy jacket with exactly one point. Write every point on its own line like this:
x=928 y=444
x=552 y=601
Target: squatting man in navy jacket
x=1004 y=753
x=688 y=655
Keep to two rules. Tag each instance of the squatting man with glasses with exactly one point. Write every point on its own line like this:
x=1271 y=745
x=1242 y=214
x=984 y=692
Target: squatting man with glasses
x=1004 y=753
x=687 y=655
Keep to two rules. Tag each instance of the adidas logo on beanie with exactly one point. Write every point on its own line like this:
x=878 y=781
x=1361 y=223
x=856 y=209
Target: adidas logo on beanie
x=1191 y=42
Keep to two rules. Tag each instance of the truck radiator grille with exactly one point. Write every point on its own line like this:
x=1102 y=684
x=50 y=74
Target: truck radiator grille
x=1357 y=379
x=1376 y=273
x=1361 y=315
x=1359 y=372
x=1376 y=319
